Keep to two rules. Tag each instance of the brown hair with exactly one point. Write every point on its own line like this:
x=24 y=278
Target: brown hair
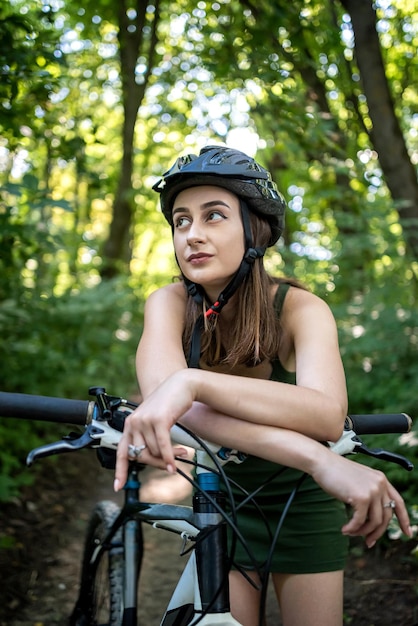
x=256 y=333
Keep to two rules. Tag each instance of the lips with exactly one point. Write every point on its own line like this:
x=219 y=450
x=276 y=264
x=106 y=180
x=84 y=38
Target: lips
x=200 y=257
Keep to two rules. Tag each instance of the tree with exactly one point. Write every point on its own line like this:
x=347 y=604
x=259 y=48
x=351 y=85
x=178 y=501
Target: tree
x=295 y=64
x=385 y=133
x=137 y=36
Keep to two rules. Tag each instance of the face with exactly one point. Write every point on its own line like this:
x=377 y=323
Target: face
x=208 y=236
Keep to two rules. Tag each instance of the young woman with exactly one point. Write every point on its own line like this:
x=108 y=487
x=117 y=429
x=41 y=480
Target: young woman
x=253 y=363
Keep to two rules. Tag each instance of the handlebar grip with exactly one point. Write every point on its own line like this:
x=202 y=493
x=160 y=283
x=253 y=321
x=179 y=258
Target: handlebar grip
x=45 y=408
x=379 y=424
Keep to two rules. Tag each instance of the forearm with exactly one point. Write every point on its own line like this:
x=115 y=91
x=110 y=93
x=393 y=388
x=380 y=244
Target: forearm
x=363 y=488
x=302 y=409
x=274 y=444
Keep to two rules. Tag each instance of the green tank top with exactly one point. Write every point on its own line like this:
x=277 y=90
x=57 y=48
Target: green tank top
x=278 y=372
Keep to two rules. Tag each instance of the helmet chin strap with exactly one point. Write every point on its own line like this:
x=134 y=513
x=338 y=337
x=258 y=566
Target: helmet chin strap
x=198 y=294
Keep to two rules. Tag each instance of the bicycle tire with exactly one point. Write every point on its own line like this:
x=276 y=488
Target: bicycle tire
x=100 y=602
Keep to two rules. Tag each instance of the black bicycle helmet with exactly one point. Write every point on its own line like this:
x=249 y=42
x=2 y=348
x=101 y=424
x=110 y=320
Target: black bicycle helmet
x=233 y=170
x=242 y=175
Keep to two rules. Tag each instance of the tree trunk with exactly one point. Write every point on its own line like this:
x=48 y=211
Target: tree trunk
x=132 y=44
x=386 y=135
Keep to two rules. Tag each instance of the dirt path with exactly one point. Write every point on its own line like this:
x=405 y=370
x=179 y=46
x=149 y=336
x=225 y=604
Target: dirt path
x=39 y=575
x=46 y=588
x=41 y=579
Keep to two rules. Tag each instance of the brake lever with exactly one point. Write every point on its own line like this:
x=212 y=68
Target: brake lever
x=384 y=455
x=65 y=445
x=96 y=434
x=350 y=443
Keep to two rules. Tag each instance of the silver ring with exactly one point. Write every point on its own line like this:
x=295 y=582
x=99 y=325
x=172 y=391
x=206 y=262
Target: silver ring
x=134 y=452
x=390 y=505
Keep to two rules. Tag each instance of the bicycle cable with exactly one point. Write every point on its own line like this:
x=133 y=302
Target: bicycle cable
x=264 y=571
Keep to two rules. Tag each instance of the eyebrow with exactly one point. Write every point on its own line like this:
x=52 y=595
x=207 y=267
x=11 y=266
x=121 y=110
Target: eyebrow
x=205 y=205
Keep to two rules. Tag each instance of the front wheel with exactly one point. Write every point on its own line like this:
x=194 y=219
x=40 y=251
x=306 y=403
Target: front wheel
x=101 y=601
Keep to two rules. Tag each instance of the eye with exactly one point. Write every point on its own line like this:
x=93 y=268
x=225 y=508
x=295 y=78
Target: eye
x=216 y=215
x=182 y=221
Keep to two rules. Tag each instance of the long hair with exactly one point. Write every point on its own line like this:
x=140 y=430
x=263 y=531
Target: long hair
x=256 y=333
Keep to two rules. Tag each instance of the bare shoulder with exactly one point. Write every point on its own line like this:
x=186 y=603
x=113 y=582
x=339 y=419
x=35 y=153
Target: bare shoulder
x=165 y=308
x=304 y=307
x=297 y=297
x=169 y=295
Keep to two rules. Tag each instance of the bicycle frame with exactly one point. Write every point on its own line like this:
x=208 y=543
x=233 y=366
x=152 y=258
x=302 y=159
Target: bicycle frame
x=202 y=592
x=201 y=595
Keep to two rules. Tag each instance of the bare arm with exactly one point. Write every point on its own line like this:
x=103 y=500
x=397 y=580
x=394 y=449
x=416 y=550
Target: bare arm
x=364 y=489
x=316 y=406
x=160 y=350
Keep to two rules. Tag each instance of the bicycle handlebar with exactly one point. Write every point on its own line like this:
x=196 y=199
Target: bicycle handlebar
x=104 y=417
x=80 y=412
x=46 y=408
x=384 y=423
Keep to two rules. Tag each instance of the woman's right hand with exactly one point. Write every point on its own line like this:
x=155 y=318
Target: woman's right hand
x=148 y=427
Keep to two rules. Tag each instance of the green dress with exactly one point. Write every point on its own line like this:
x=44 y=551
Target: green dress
x=310 y=539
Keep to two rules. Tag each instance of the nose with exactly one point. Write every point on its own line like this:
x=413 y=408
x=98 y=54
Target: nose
x=195 y=233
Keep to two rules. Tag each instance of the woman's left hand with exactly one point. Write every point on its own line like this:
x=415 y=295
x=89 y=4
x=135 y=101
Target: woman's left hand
x=373 y=499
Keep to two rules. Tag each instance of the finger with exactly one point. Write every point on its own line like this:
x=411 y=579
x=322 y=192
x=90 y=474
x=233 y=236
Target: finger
x=166 y=450
x=371 y=536
x=146 y=457
x=158 y=440
x=148 y=437
x=180 y=452
x=380 y=517
x=358 y=519
x=368 y=519
x=121 y=470
x=401 y=512
x=377 y=521
x=142 y=432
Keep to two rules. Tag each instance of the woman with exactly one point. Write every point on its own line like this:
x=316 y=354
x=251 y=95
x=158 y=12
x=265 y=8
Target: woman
x=253 y=363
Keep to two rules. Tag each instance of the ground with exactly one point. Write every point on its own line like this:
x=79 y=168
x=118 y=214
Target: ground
x=39 y=572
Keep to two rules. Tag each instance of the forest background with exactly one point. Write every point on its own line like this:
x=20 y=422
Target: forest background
x=98 y=99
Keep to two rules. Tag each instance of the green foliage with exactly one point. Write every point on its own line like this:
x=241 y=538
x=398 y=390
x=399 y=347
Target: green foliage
x=29 y=62
x=94 y=331
x=60 y=346
x=379 y=345
x=379 y=349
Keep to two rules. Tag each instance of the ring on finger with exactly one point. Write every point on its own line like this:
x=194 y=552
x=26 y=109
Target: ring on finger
x=390 y=505
x=134 y=452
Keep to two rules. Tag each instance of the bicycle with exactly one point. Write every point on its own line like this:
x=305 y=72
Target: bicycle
x=113 y=550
